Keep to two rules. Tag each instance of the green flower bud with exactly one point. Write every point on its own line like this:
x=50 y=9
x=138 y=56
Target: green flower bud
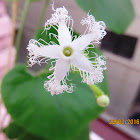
x=103 y=101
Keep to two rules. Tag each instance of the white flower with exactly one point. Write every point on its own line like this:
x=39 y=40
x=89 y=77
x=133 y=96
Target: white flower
x=69 y=53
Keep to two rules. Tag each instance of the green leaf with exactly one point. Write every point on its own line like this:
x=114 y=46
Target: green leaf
x=54 y=117
x=84 y=134
x=27 y=136
x=117 y=14
x=13 y=131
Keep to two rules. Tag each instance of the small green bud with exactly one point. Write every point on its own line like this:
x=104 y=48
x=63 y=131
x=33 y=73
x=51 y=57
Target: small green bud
x=103 y=100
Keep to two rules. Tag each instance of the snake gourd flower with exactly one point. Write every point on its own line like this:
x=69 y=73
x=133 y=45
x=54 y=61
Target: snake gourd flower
x=69 y=54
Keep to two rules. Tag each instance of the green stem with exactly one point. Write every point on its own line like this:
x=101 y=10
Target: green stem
x=19 y=35
x=41 y=17
x=97 y=91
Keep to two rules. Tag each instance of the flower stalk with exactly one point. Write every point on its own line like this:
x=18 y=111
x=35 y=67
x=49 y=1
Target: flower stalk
x=14 y=18
x=41 y=16
x=19 y=35
x=96 y=90
x=101 y=98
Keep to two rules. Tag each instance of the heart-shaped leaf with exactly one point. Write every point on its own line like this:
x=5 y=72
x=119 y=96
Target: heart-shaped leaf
x=58 y=117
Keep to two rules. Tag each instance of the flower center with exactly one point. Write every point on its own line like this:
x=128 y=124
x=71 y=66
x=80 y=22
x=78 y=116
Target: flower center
x=67 y=51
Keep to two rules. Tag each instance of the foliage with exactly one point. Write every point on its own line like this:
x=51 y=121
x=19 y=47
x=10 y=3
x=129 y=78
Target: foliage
x=117 y=14
x=55 y=117
x=14 y=131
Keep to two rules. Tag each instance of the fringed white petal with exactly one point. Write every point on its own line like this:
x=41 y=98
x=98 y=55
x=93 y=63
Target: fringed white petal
x=97 y=29
x=64 y=35
x=82 y=42
x=39 y=53
x=56 y=87
x=57 y=81
x=91 y=72
x=50 y=51
x=82 y=63
x=61 y=69
x=60 y=15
